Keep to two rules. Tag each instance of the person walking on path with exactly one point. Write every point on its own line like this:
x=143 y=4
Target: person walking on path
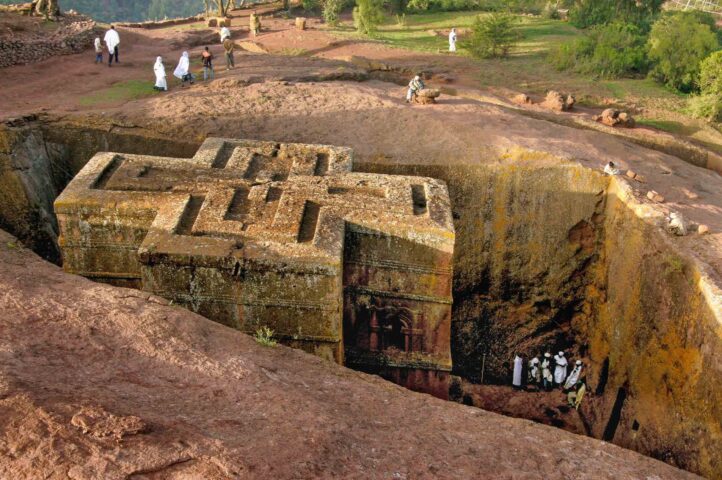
x=161 y=84
x=98 y=50
x=112 y=41
x=228 y=47
x=452 y=40
x=207 y=65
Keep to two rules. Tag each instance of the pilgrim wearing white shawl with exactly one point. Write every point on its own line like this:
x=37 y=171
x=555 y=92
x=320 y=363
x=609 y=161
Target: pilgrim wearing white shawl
x=159 y=69
x=516 y=378
x=574 y=376
x=560 y=370
x=452 y=40
x=181 y=71
x=112 y=41
x=225 y=33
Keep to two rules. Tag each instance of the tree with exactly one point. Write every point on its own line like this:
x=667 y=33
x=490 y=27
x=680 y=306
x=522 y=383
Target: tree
x=493 y=35
x=677 y=43
x=367 y=15
x=708 y=104
x=221 y=7
x=586 y=13
x=331 y=11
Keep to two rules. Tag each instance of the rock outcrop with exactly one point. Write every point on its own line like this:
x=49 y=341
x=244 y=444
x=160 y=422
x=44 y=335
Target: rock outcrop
x=615 y=118
x=82 y=364
x=558 y=102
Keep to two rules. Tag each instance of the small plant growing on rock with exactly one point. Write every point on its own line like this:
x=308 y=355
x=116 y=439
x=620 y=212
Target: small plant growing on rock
x=264 y=336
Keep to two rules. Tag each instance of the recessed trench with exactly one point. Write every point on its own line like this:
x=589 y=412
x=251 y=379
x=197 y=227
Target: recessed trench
x=549 y=257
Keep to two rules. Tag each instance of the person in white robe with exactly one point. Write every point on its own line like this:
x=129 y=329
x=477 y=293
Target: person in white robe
x=546 y=366
x=182 y=70
x=518 y=365
x=112 y=41
x=611 y=169
x=534 y=375
x=225 y=33
x=159 y=69
x=574 y=376
x=452 y=40
x=560 y=368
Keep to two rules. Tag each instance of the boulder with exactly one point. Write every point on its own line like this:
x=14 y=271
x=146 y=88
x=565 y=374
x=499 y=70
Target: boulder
x=702 y=229
x=558 y=102
x=427 y=95
x=655 y=197
x=615 y=118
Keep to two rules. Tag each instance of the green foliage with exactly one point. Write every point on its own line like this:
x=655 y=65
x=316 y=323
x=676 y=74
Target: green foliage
x=587 y=13
x=331 y=11
x=678 y=42
x=708 y=104
x=493 y=35
x=310 y=5
x=264 y=336
x=609 y=51
x=367 y=15
x=517 y=6
x=551 y=11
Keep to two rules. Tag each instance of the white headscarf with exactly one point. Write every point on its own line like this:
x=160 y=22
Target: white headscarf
x=159 y=70
x=183 y=66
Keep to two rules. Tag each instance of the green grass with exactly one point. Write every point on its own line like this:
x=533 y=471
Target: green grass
x=119 y=92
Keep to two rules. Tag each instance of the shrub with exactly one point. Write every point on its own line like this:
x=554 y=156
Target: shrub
x=367 y=15
x=551 y=11
x=708 y=105
x=264 y=336
x=677 y=44
x=331 y=11
x=609 y=51
x=493 y=35
x=587 y=13
x=309 y=5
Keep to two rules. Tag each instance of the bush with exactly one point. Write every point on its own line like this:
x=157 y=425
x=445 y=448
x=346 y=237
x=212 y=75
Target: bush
x=331 y=11
x=309 y=5
x=367 y=15
x=678 y=42
x=708 y=105
x=609 y=51
x=493 y=35
x=551 y=11
x=587 y=13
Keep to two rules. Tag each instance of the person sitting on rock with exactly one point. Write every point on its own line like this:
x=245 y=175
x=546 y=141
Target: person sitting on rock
x=415 y=85
x=182 y=71
x=611 y=169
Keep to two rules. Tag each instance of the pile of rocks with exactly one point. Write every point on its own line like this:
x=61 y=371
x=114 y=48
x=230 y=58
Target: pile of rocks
x=75 y=34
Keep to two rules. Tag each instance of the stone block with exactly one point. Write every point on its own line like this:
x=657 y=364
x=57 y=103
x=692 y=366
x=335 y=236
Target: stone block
x=300 y=23
x=353 y=267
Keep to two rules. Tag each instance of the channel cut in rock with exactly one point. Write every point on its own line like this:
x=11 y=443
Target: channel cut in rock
x=353 y=267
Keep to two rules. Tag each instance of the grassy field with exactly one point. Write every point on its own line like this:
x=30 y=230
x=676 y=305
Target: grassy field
x=527 y=69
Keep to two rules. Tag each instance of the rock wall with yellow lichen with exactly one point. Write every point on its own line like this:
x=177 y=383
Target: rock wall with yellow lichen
x=557 y=256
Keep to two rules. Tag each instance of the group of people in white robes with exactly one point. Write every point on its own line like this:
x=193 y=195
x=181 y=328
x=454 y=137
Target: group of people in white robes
x=547 y=373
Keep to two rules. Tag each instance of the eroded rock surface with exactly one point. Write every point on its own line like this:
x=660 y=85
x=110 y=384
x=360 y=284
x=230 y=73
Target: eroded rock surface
x=219 y=406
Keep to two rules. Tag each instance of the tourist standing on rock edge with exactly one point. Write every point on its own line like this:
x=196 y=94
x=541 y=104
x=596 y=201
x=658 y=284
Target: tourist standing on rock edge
x=546 y=366
x=98 y=50
x=207 y=65
x=161 y=84
x=560 y=369
x=112 y=41
x=516 y=378
x=228 y=46
x=182 y=71
x=452 y=40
